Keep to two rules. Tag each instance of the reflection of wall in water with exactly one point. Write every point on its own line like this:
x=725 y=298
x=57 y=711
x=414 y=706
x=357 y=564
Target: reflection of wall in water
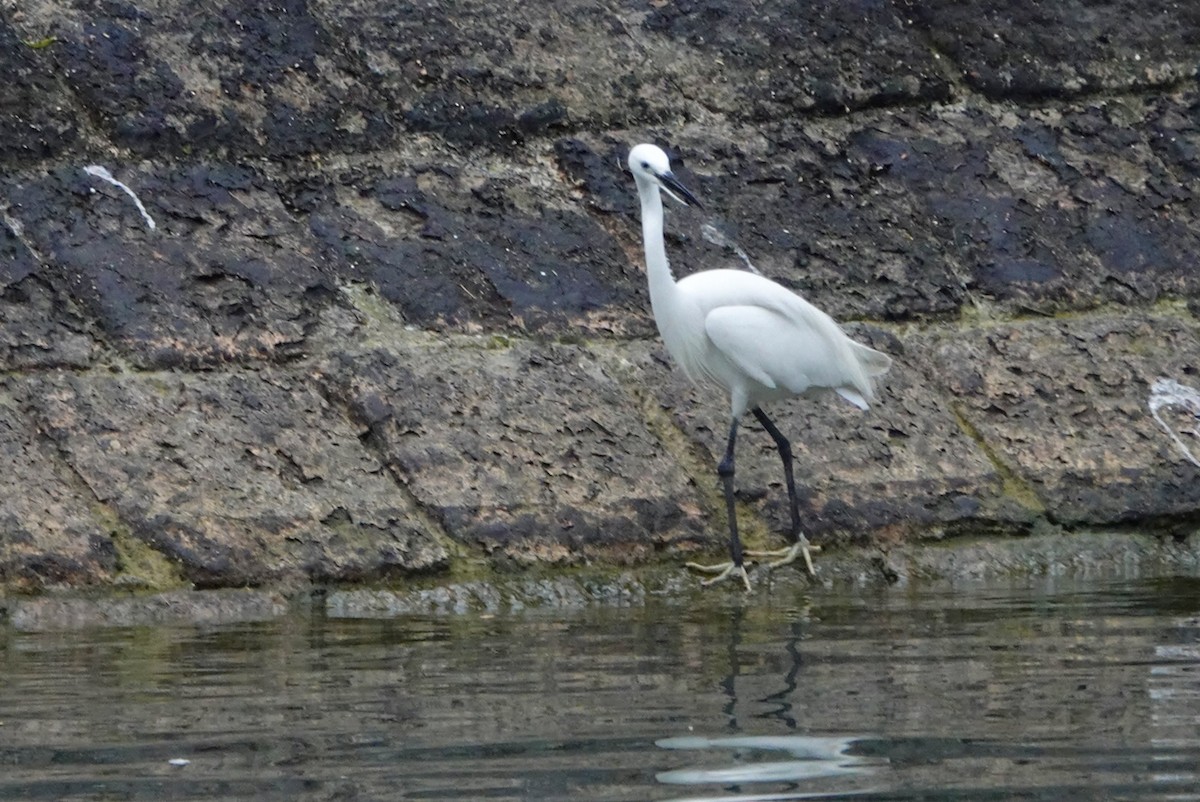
x=1173 y=686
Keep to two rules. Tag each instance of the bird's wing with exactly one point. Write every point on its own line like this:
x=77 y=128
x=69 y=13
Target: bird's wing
x=779 y=339
x=737 y=332
x=774 y=350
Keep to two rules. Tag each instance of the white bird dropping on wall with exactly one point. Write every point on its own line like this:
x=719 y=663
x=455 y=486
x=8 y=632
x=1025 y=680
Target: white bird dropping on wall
x=1166 y=393
x=104 y=175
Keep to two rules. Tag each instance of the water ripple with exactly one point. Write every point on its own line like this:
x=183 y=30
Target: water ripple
x=1075 y=692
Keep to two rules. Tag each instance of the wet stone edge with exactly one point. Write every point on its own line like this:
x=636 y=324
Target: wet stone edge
x=1092 y=556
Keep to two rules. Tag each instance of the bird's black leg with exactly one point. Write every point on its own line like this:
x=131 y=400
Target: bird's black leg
x=735 y=566
x=800 y=544
x=785 y=453
x=725 y=471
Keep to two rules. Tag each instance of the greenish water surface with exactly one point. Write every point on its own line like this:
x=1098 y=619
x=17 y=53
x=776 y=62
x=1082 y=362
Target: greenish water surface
x=1039 y=691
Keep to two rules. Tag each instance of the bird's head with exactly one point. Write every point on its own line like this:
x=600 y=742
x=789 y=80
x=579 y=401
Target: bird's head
x=651 y=167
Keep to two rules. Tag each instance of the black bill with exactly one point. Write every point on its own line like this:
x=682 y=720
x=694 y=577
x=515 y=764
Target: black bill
x=678 y=191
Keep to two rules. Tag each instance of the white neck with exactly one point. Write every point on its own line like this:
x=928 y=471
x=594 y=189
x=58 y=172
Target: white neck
x=658 y=270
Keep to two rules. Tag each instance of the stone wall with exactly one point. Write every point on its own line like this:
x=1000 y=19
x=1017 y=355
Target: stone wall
x=383 y=312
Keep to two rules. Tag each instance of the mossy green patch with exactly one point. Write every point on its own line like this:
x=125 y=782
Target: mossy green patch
x=40 y=44
x=1011 y=482
x=138 y=564
x=374 y=309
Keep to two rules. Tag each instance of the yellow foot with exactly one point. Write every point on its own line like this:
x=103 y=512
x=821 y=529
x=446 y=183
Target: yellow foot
x=788 y=555
x=722 y=571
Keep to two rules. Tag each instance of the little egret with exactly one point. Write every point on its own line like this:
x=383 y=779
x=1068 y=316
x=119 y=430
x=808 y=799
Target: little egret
x=755 y=339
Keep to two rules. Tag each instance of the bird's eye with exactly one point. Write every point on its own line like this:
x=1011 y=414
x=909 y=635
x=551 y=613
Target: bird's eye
x=645 y=165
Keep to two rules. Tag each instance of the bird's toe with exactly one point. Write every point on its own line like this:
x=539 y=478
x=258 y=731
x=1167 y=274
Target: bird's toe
x=788 y=555
x=726 y=570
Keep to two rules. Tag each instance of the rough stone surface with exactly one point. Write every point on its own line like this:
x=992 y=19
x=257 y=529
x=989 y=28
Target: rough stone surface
x=916 y=213
x=243 y=77
x=1065 y=405
x=205 y=286
x=49 y=535
x=1031 y=50
x=39 y=328
x=37 y=117
x=825 y=56
x=391 y=316
x=455 y=246
x=238 y=478
x=530 y=452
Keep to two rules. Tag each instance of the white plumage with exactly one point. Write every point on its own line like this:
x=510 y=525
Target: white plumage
x=744 y=334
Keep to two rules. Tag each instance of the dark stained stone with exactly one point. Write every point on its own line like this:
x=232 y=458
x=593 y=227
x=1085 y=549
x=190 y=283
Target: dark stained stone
x=37 y=117
x=1037 y=50
x=172 y=78
x=38 y=325
x=450 y=255
x=824 y=56
x=205 y=286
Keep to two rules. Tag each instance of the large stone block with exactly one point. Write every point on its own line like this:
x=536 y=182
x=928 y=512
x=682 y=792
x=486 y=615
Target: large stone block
x=773 y=59
x=530 y=451
x=1065 y=405
x=226 y=274
x=239 y=477
x=49 y=532
x=1024 y=50
x=242 y=77
x=454 y=247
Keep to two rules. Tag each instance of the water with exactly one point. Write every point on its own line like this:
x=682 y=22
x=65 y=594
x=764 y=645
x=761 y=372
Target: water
x=1033 y=693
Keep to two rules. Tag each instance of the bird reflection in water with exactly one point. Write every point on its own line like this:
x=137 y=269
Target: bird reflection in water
x=789 y=759
x=808 y=757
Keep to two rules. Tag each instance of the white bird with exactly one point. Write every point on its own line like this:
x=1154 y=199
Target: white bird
x=754 y=339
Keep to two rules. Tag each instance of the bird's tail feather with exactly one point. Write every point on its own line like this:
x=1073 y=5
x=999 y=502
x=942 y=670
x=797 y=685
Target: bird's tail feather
x=871 y=364
x=854 y=397
x=876 y=363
